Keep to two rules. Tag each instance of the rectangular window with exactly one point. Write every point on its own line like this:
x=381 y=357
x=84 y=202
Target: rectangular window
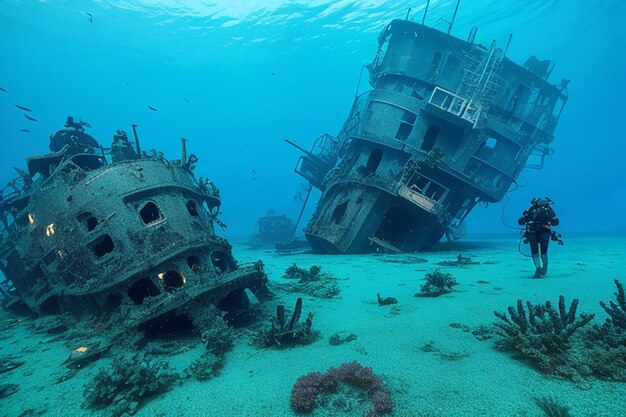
x=431 y=75
x=404 y=131
x=406 y=125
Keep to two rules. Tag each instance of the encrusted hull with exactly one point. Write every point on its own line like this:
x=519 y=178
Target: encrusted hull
x=379 y=221
x=132 y=238
x=448 y=124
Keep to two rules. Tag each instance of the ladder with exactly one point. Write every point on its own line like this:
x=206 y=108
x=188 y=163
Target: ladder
x=481 y=79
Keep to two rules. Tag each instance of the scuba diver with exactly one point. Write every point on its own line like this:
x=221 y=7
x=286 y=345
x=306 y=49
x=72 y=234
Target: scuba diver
x=539 y=219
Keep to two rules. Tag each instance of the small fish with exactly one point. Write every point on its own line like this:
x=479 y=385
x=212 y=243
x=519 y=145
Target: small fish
x=245 y=145
x=90 y=17
x=254 y=172
x=187 y=100
x=152 y=108
x=25 y=130
x=30 y=118
x=3 y=90
x=273 y=75
x=127 y=85
x=22 y=107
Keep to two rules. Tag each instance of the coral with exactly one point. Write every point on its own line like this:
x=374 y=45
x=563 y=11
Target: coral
x=617 y=311
x=286 y=334
x=429 y=347
x=206 y=367
x=304 y=276
x=130 y=381
x=606 y=344
x=336 y=339
x=482 y=333
x=216 y=335
x=543 y=335
x=552 y=408
x=404 y=259
x=385 y=301
x=437 y=283
x=460 y=261
x=311 y=281
x=308 y=387
x=260 y=288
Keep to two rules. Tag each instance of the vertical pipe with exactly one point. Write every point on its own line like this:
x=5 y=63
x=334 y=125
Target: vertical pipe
x=425 y=11
x=136 y=140
x=183 y=156
x=454 y=15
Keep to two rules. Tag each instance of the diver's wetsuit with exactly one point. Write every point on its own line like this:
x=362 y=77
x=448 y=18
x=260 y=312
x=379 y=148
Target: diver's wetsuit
x=541 y=238
x=538 y=220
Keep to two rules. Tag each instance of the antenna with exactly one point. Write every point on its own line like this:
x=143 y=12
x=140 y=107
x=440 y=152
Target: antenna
x=472 y=34
x=408 y=12
x=358 y=85
x=425 y=11
x=454 y=15
x=508 y=43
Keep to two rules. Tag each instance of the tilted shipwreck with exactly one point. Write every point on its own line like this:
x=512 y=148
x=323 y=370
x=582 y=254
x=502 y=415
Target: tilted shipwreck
x=117 y=232
x=449 y=124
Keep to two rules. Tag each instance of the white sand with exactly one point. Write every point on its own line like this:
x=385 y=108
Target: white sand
x=483 y=383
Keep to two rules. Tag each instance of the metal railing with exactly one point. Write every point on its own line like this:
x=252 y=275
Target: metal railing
x=455 y=105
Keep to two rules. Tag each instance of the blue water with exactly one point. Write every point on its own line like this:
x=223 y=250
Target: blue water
x=238 y=77
x=255 y=73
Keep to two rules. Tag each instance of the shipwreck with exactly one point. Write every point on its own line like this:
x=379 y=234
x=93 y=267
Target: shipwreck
x=273 y=228
x=448 y=124
x=116 y=232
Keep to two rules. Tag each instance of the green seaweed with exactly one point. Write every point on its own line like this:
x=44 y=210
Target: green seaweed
x=552 y=408
x=310 y=281
x=128 y=383
x=437 y=283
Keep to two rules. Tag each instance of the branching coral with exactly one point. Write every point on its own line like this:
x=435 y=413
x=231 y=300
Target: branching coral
x=205 y=367
x=129 y=382
x=216 y=335
x=543 y=334
x=617 y=311
x=437 y=283
x=311 y=281
x=304 y=276
x=308 y=387
x=606 y=344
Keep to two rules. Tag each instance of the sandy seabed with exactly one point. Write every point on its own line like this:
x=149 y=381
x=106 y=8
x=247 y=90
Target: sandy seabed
x=465 y=377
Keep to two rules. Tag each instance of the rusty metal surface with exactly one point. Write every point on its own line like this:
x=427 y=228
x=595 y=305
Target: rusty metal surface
x=89 y=231
x=448 y=124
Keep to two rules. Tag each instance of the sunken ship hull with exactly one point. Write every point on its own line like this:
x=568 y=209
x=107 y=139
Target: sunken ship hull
x=126 y=235
x=448 y=124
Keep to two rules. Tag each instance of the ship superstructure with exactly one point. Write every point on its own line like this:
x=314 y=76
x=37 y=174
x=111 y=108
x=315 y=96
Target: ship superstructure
x=448 y=124
x=118 y=232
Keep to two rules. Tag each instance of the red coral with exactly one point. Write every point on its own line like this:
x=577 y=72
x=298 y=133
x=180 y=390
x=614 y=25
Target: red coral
x=309 y=386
